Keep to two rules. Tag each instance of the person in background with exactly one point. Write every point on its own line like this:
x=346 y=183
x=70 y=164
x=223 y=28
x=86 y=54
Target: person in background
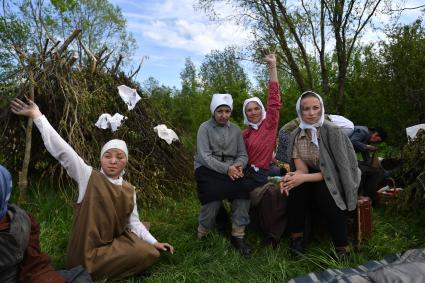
x=364 y=140
x=260 y=142
x=21 y=259
x=324 y=171
x=107 y=236
x=219 y=162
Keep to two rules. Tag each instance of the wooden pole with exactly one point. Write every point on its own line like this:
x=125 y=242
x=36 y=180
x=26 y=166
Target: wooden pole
x=23 y=174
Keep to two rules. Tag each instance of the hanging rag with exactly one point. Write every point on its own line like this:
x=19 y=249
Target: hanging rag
x=106 y=121
x=166 y=134
x=129 y=96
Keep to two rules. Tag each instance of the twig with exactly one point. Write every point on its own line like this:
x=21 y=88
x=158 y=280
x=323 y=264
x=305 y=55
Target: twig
x=90 y=54
x=117 y=64
x=68 y=41
x=138 y=68
x=407 y=8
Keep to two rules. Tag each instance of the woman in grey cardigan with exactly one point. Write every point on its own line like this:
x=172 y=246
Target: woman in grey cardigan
x=325 y=171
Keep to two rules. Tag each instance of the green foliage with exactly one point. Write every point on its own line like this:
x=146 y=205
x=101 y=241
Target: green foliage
x=64 y=5
x=221 y=72
x=27 y=23
x=412 y=176
x=13 y=32
x=388 y=84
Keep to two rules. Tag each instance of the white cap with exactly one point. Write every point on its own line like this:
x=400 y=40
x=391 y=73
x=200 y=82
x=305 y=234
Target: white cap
x=221 y=99
x=118 y=144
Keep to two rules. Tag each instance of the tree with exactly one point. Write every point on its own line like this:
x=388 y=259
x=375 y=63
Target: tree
x=221 y=72
x=29 y=46
x=43 y=25
x=308 y=33
x=189 y=78
x=388 y=83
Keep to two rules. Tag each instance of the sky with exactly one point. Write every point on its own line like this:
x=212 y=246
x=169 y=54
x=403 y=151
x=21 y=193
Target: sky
x=168 y=31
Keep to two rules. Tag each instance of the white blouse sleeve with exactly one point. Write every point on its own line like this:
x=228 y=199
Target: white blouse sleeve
x=137 y=227
x=74 y=165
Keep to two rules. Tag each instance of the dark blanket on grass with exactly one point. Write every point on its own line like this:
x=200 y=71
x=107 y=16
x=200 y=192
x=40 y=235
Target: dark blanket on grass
x=405 y=267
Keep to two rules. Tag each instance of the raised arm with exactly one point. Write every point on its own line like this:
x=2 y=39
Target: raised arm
x=270 y=59
x=75 y=166
x=273 y=97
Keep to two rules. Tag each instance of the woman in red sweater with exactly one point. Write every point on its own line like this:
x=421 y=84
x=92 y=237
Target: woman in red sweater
x=260 y=141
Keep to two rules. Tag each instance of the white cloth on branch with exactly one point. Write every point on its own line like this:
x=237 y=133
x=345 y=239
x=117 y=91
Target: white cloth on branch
x=166 y=134
x=106 y=121
x=129 y=96
x=413 y=130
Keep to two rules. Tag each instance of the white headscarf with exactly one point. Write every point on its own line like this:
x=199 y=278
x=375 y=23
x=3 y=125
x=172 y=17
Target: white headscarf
x=263 y=112
x=117 y=144
x=312 y=127
x=221 y=99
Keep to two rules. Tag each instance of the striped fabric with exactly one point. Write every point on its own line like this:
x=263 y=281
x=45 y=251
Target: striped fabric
x=406 y=267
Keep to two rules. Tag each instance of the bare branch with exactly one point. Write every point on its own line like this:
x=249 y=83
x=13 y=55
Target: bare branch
x=407 y=8
x=138 y=68
x=90 y=55
x=68 y=41
x=117 y=64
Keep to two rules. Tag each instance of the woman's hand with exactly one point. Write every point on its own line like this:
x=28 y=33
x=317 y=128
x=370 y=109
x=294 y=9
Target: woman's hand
x=235 y=172
x=270 y=59
x=29 y=109
x=291 y=180
x=164 y=247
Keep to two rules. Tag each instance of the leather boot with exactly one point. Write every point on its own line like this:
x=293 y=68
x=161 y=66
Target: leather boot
x=296 y=246
x=240 y=245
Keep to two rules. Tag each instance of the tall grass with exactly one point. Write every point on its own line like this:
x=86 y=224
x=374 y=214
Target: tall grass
x=213 y=259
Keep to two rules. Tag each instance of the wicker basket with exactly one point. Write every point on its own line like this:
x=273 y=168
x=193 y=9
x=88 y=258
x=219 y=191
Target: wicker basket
x=385 y=196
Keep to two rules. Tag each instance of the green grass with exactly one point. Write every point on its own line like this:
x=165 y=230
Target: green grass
x=213 y=259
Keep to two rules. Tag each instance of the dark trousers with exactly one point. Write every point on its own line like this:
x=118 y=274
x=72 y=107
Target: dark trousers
x=371 y=178
x=300 y=201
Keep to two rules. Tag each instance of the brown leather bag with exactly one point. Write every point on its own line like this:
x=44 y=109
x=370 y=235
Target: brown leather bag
x=360 y=227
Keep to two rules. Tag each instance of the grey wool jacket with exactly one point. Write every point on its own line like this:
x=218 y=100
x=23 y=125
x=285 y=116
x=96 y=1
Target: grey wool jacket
x=338 y=164
x=219 y=146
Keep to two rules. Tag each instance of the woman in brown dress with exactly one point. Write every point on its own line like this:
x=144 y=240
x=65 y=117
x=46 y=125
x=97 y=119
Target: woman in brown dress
x=107 y=236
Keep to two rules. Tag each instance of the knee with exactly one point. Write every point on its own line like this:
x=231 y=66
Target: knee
x=154 y=253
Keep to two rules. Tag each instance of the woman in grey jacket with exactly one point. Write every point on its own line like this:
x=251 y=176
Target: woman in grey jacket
x=219 y=162
x=325 y=171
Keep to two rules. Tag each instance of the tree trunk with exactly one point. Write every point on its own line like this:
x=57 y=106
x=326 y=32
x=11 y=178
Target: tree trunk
x=23 y=174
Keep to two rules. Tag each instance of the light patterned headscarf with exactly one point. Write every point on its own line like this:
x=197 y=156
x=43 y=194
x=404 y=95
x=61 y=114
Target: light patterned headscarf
x=312 y=127
x=263 y=112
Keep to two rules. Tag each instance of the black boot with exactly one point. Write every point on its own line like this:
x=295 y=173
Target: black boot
x=342 y=254
x=270 y=242
x=296 y=245
x=240 y=245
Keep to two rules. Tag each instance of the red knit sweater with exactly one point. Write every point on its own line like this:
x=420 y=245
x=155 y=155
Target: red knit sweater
x=261 y=143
